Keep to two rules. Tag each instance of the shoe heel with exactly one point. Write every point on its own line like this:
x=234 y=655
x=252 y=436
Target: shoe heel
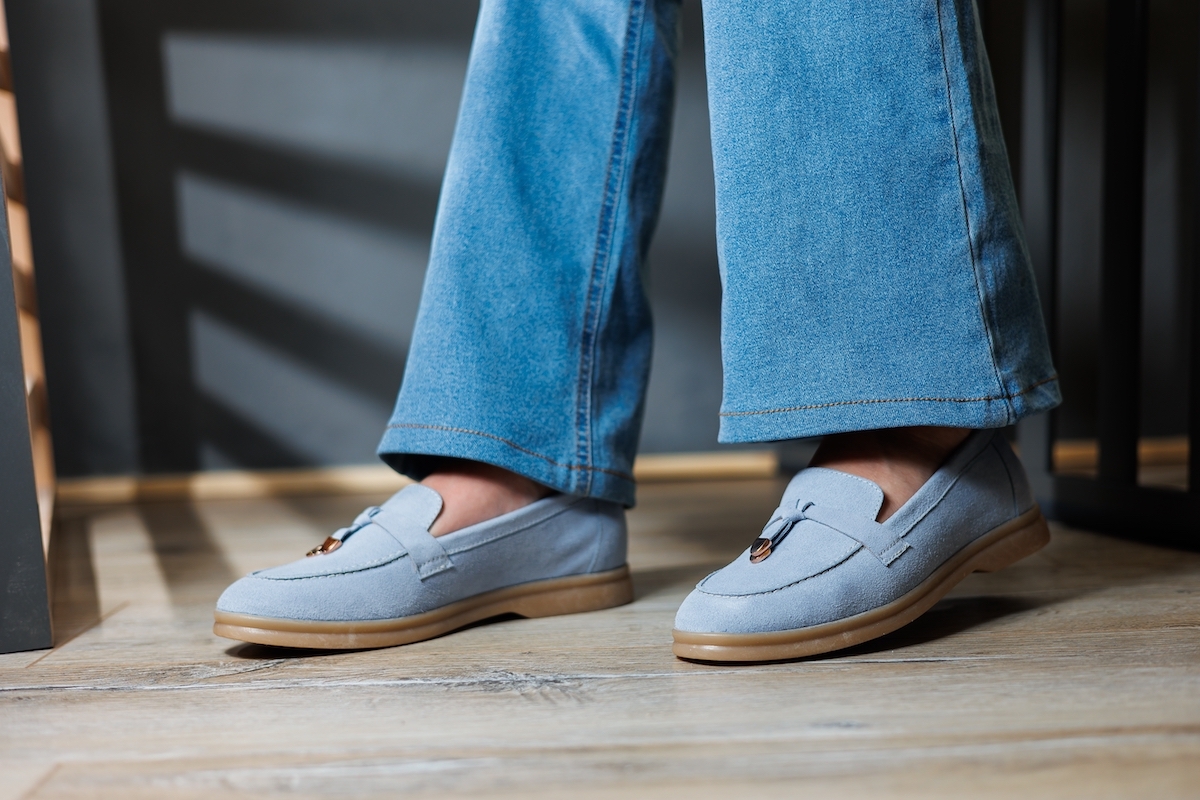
x=1023 y=542
x=588 y=593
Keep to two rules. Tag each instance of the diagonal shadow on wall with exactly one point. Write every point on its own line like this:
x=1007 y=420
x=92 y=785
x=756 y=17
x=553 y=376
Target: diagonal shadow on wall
x=165 y=288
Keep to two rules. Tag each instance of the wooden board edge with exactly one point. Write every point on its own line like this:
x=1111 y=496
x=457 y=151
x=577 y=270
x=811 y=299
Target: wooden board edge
x=369 y=479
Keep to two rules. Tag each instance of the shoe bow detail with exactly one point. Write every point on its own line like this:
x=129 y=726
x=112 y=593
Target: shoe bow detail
x=334 y=541
x=881 y=542
x=774 y=532
x=406 y=518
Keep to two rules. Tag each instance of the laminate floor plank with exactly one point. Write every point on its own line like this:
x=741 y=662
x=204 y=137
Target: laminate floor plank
x=1075 y=673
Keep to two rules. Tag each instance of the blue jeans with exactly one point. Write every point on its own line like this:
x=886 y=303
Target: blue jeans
x=871 y=252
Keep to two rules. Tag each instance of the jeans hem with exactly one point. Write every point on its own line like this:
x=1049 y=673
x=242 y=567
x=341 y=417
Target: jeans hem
x=859 y=415
x=404 y=444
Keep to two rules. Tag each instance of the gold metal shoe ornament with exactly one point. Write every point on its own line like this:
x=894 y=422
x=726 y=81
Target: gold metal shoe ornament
x=327 y=546
x=779 y=528
x=760 y=549
x=335 y=541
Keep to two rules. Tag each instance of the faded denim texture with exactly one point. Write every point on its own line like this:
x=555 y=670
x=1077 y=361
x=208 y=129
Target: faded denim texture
x=873 y=263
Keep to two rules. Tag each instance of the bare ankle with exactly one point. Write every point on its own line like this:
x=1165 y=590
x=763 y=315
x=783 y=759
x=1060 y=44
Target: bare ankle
x=899 y=460
x=474 y=492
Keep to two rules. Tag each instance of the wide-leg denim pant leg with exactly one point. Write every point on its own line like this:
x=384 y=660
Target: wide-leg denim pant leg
x=871 y=252
x=874 y=265
x=532 y=344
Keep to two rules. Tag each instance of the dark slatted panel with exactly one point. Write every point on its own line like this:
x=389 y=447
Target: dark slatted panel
x=1112 y=502
x=1121 y=266
x=1039 y=195
x=156 y=277
x=1194 y=378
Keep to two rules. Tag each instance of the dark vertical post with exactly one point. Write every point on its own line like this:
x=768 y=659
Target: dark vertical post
x=1194 y=250
x=156 y=277
x=24 y=601
x=1039 y=201
x=1121 y=255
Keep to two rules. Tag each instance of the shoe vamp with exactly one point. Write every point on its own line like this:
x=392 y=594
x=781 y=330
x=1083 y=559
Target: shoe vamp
x=809 y=549
x=858 y=584
x=366 y=548
x=385 y=592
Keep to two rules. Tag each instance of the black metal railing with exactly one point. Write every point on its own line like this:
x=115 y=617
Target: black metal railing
x=1111 y=500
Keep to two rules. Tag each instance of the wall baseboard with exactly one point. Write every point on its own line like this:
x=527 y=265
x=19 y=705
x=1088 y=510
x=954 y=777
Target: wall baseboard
x=371 y=479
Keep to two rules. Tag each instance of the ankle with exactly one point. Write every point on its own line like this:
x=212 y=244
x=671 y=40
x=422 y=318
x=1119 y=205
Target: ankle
x=899 y=460
x=474 y=492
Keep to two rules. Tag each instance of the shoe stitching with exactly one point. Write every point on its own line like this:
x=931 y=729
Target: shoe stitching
x=858 y=549
x=870 y=484
x=511 y=444
x=347 y=571
x=815 y=406
x=402 y=553
x=954 y=482
x=506 y=534
x=899 y=538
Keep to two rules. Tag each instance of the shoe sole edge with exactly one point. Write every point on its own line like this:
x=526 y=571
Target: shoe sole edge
x=572 y=594
x=1005 y=545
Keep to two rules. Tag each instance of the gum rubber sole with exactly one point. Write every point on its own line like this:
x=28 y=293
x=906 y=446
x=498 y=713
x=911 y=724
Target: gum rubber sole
x=993 y=551
x=570 y=595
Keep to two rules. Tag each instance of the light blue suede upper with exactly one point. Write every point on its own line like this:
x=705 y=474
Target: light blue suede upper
x=390 y=566
x=846 y=563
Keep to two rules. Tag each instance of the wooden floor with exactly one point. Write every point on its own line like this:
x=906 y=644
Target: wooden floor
x=1073 y=674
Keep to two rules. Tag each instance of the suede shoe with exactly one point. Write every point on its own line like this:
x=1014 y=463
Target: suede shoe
x=825 y=575
x=385 y=580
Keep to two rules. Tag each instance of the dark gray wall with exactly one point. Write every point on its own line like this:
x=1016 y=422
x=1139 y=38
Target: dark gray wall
x=376 y=105
x=385 y=107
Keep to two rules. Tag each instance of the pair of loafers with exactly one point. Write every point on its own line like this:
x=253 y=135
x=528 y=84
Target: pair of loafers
x=822 y=576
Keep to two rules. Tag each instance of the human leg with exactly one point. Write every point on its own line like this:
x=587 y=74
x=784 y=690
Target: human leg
x=532 y=344
x=875 y=278
x=530 y=356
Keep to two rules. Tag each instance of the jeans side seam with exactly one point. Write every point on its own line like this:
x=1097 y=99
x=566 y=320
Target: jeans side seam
x=593 y=308
x=510 y=443
x=1010 y=412
x=1007 y=397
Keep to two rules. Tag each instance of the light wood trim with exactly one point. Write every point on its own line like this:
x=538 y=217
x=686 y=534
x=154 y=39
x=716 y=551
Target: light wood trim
x=21 y=251
x=229 y=485
x=706 y=466
x=370 y=479
x=1074 y=455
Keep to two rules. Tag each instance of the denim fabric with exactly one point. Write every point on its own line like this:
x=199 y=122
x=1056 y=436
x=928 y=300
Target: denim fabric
x=871 y=252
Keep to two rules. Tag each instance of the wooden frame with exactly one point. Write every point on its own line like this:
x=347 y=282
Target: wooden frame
x=27 y=480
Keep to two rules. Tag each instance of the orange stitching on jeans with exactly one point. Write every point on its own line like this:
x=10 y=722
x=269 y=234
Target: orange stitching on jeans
x=511 y=444
x=815 y=406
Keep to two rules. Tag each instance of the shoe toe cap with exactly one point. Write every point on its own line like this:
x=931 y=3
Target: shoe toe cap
x=263 y=597
x=380 y=593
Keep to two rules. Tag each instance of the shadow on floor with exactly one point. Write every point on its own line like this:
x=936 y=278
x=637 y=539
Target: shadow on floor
x=74 y=599
x=649 y=582
x=948 y=617
x=193 y=566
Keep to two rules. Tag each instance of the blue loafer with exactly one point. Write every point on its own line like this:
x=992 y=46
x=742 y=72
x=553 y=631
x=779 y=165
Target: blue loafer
x=385 y=580
x=825 y=575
